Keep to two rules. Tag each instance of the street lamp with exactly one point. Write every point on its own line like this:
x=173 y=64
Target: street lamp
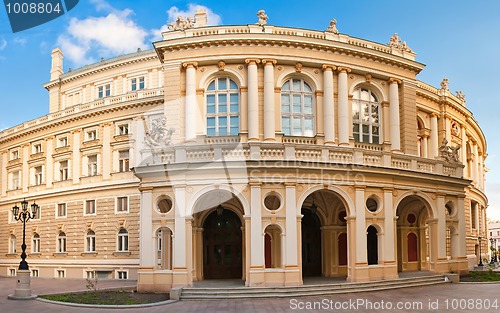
x=23 y=289
x=480 y=258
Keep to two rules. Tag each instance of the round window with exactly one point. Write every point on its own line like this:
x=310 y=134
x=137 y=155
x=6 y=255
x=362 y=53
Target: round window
x=411 y=218
x=371 y=205
x=272 y=202
x=164 y=205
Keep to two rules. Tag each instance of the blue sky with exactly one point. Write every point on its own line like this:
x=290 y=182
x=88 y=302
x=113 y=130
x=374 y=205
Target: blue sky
x=456 y=39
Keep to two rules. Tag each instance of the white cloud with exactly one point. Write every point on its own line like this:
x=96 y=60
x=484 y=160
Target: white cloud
x=20 y=41
x=3 y=44
x=213 y=19
x=86 y=40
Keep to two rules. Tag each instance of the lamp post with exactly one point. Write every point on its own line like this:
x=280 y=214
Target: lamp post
x=480 y=258
x=23 y=289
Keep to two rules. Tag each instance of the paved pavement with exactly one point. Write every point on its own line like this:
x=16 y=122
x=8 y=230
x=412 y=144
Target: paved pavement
x=463 y=297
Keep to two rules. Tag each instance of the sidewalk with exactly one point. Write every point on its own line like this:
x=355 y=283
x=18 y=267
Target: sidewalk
x=438 y=298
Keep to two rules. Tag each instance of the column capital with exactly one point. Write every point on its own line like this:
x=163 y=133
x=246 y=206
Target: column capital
x=252 y=61
x=433 y=114
x=328 y=67
x=394 y=80
x=269 y=61
x=146 y=189
x=190 y=64
x=343 y=69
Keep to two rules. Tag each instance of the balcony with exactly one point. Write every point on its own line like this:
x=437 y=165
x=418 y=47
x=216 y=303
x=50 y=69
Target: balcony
x=367 y=156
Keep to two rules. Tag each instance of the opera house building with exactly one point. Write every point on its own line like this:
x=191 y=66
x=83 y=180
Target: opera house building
x=254 y=152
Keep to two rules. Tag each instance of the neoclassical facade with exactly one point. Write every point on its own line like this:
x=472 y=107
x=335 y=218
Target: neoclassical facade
x=252 y=152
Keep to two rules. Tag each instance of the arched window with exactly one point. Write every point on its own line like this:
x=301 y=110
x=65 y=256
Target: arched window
x=365 y=116
x=12 y=244
x=297 y=114
x=223 y=107
x=35 y=243
x=372 y=245
x=123 y=240
x=61 y=242
x=164 y=248
x=90 y=241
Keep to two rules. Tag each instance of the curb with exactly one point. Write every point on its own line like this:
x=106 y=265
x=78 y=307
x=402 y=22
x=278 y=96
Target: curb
x=96 y=306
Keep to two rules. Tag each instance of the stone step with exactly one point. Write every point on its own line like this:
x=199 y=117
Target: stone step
x=307 y=290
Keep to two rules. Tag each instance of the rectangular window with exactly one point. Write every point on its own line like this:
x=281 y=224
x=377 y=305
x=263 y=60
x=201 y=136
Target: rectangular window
x=90 y=207
x=123 y=129
x=35 y=273
x=123 y=161
x=473 y=213
x=12 y=244
x=38 y=175
x=60 y=273
x=122 y=204
x=92 y=165
x=16 y=180
x=104 y=91
x=90 y=274
x=138 y=83
x=35 y=247
x=37 y=148
x=12 y=272
x=14 y=155
x=122 y=274
x=62 y=142
x=63 y=170
x=61 y=210
x=91 y=135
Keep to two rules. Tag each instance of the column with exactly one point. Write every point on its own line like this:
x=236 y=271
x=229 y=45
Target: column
x=191 y=105
x=441 y=227
x=475 y=162
x=147 y=250
x=256 y=241
x=107 y=159
x=328 y=104
x=389 y=229
x=480 y=178
x=253 y=100
x=269 y=118
x=179 y=257
x=394 y=114
x=434 y=136
x=463 y=149
x=49 y=163
x=5 y=181
x=361 y=253
x=291 y=259
x=447 y=122
x=462 y=249
x=343 y=107
x=425 y=146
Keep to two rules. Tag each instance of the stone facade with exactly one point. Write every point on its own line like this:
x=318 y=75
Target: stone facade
x=318 y=153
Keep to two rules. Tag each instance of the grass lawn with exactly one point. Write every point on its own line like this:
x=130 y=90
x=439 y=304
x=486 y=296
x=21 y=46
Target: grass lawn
x=481 y=276
x=118 y=297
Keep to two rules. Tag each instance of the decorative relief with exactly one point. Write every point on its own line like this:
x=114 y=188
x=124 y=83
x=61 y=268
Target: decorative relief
x=447 y=153
x=181 y=23
x=298 y=67
x=240 y=67
x=455 y=129
x=368 y=78
x=261 y=14
x=396 y=43
x=332 y=28
x=280 y=68
x=316 y=72
x=157 y=134
x=221 y=65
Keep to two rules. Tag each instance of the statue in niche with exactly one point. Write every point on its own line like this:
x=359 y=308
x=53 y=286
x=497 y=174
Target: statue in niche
x=262 y=18
x=448 y=153
x=158 y=134
x=332 y=28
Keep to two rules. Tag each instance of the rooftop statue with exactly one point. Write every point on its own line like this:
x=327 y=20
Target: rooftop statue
x=460 y=96
x=262 y=18
x=444 y=84
x=181 y=23
x=332 y=28
x=397 y=43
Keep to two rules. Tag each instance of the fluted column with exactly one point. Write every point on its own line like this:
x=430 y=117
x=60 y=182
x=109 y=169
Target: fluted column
x=434 y=136
x=190 y=116
x=253 y=100
x=343 y=106
x=269 y=118
x=328 y=104
x=394 y=114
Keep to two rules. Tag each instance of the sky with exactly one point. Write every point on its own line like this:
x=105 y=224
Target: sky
x=457 y=39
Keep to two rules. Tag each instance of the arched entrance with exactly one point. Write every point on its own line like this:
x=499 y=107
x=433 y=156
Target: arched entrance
x=311 y=244
x=413 y=234
x=222 y=249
